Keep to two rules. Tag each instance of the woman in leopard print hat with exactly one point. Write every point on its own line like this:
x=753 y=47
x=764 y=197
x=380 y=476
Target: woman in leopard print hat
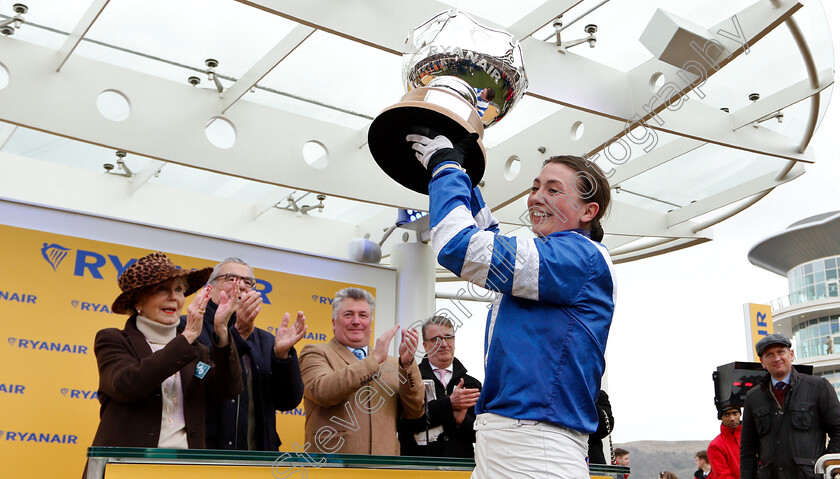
x=154 y=377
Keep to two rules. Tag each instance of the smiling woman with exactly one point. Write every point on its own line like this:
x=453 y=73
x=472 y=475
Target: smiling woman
x=154 y=378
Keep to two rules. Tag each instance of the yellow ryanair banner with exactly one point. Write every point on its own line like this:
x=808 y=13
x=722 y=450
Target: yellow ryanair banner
x=759 y=319
x=55 y=294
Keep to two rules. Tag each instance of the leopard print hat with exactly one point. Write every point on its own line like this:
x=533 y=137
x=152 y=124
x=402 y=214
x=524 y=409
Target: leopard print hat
x=151 y=270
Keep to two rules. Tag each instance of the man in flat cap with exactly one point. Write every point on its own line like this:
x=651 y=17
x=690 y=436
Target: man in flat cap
x=787 y=417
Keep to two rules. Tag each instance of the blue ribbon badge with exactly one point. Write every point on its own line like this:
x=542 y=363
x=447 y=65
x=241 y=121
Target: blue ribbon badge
x=201 y=369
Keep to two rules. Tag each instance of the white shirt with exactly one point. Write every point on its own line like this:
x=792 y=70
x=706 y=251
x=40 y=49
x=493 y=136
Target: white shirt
x=173 y=432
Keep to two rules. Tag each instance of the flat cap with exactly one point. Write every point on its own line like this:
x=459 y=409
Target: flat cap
x=769 y=340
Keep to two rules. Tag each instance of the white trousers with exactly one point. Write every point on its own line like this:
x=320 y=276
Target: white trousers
x=518 y=448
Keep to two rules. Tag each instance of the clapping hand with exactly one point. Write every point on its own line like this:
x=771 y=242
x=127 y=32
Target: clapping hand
x=462 y=399
x=287 y=335
x=408 y=345
x=195 y=314
x=247 y=309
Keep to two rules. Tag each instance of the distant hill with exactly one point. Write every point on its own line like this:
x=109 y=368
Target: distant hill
x=648 y=458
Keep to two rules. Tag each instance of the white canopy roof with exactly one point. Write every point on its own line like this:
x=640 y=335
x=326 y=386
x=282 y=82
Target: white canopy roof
x=301 y=81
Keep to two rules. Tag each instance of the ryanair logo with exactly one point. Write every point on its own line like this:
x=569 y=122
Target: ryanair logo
x=54 y=254
x=99 y=266
x=39 y=437
x=88 y=306
x=321 y=299
x=310 y=335
x=12 y=388
x=298 y=411
x=18 y=297
x=78 y=394
x=48 y=346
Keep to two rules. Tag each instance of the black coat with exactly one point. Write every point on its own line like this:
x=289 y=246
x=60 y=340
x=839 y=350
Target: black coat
x=455 y=440
x=605 y=417
x=276 y=383
x=786 y=442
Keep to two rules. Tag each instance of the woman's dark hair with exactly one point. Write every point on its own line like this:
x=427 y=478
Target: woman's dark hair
x=591 y=185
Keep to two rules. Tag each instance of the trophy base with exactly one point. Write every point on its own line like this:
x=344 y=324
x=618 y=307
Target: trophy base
x=387 y=143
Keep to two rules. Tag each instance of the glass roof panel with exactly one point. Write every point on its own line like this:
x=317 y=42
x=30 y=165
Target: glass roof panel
x=501 y=12
x=621 y=23
x=643 y=139
x=190 y=31
x=307 y=107
x=62 y=15
x=700 y=173
x=35 y=144
x=528 y=112
x=778 y=53
x=641 y=200
x=337 y=71
x=148 y=64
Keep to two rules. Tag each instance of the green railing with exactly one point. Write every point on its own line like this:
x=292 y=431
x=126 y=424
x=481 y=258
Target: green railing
x=100 y=456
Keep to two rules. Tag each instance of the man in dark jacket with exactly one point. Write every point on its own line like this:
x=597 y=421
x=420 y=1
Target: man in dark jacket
x=447 y=428
x=787 y=417
x=270 y=369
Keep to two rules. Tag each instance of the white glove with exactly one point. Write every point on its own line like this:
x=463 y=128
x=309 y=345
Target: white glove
x=425 y=147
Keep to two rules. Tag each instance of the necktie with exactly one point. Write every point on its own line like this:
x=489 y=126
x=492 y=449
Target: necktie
x=441 y=374
x=359 y=353
x=779 y=392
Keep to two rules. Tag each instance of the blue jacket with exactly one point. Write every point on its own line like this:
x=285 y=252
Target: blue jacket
x=547 y=331
x=276 y=383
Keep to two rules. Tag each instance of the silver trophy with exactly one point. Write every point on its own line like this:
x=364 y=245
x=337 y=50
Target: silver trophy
x=460 y=78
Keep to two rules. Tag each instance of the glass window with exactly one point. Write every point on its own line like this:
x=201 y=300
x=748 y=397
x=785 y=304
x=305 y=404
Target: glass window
x=835 y=328
x=825 y=329
x=830 y=263
x=831 y=274
x=809 y=279
x=819 y=277
x=819 y=266
x=808 y=268
x=819 y=291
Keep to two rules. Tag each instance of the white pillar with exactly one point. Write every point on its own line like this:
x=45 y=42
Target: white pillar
x=415 y=264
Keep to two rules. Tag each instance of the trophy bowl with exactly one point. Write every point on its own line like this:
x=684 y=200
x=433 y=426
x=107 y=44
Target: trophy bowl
x=460 y=77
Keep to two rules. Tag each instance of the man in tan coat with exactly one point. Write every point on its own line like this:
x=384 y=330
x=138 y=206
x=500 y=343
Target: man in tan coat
x=353 y=397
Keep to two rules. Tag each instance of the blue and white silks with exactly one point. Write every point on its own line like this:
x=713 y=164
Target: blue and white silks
x=547 y=331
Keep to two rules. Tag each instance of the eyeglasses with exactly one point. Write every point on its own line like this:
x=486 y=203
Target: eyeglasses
x=247 y=282
x=448 y=339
